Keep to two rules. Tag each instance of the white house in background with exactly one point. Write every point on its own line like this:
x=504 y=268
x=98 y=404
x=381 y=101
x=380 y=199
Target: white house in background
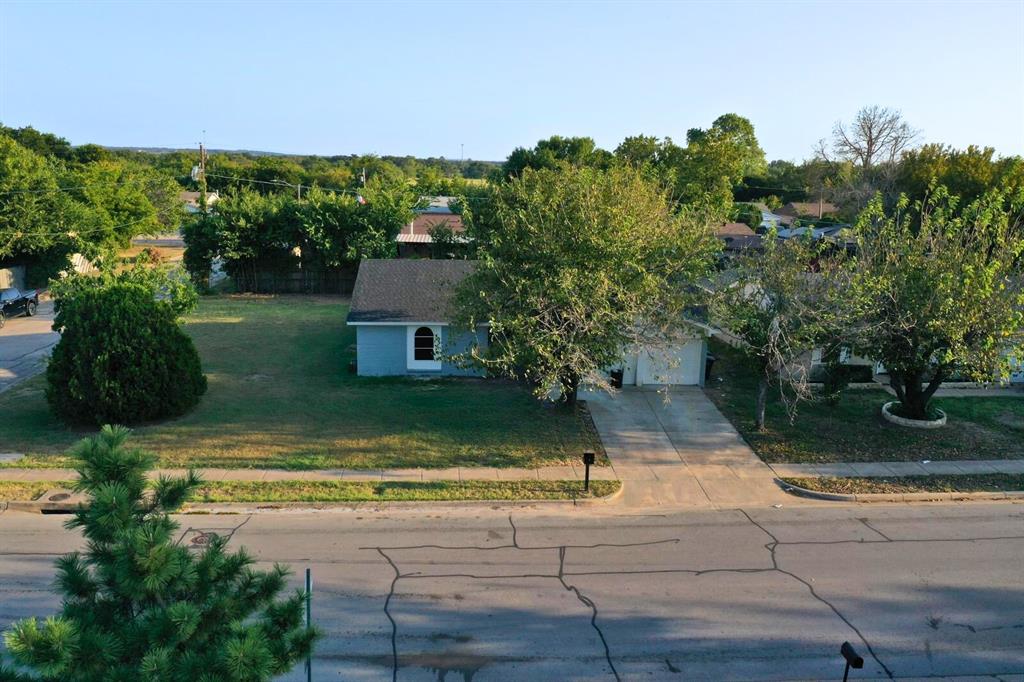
x=191 y=200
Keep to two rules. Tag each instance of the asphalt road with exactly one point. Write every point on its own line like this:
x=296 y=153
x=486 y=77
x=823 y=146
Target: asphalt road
x=766 y=594
x=25 y=343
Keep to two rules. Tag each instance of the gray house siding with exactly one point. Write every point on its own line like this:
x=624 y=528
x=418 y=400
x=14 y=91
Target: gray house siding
x=380 y=351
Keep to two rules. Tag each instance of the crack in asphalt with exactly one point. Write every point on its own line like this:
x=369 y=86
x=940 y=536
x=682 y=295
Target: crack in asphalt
x=202 y=532
x=771 y=547
x=560 y=577
x=593 y=611
x=872 y=528
x=387 y=612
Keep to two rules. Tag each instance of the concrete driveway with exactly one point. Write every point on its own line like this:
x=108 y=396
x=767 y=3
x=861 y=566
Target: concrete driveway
x=677 y=449
x=25 y=343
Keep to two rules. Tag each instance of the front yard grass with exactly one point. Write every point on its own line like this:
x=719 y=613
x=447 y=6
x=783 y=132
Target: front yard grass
x=353 y=491
x=963 y=483
x=854 y=430
x=281 y=396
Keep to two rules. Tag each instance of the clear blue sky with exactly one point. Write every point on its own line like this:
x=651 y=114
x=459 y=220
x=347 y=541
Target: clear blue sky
x=423 y=78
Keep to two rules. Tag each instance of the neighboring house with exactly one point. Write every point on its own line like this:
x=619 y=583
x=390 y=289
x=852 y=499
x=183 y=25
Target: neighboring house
x=191 y=200
x=807 y=209
x=414 y=241
x=737 y=237
x=402 y=311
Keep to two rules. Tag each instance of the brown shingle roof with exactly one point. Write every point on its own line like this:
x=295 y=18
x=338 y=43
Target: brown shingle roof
x=795 y=209
x=735 y=230
x=406 y=290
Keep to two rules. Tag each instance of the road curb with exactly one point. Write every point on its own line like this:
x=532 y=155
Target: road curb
x=43 y=506
x=899 y=497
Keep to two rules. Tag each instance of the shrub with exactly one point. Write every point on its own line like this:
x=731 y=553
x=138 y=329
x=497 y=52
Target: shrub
x=139 y=605
x=122 y=358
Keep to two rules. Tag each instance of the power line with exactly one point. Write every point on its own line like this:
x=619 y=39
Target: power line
x=67 y=233
x=67 y=189
x=282 y=183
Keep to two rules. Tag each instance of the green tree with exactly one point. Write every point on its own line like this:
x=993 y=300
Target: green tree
x=39 y=225
x=717 y=159
x=778 y=310
x=128 y=200
x=966 y=173
x=556 y=152
x=137 y=605
x=938 y=290
x=578 y=264
x=44 y=144
x=121 y=358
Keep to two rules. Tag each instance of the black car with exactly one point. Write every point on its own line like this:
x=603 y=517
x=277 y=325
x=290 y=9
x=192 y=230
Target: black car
x=14 y=302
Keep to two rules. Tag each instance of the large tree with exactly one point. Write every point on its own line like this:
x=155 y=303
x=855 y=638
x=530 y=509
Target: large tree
x=38 y=223
x=939 y=290
x=556 y=152
x=139 y=605
x=779 y=304
x=576 y=265
x=717 y=159
x=876 y=135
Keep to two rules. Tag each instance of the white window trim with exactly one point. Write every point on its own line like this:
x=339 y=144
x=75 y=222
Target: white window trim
x=410 y=348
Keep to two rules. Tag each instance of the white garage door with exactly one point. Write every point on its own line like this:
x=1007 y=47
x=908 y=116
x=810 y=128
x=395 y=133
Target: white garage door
x=678 y=366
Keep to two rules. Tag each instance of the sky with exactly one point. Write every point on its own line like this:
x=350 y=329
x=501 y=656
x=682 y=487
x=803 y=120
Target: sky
x=481 y=78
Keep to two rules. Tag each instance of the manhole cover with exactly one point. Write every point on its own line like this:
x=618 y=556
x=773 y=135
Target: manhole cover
x=202 y=539
x=59 y=497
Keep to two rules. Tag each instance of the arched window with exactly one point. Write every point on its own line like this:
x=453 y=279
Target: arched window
x=423 y=344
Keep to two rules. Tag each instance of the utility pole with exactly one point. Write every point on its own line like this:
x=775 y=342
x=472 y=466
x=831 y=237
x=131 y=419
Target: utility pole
x=202 y=177
x=362 y=177
x=462 y=152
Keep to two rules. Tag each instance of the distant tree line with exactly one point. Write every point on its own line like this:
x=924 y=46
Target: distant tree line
x=271 y=173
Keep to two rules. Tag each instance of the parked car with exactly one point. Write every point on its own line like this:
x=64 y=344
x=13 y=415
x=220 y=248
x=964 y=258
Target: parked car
x=14 y=302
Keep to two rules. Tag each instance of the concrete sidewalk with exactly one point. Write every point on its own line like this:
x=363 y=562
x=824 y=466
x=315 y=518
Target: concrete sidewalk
x=879 y=469
x=565 y=473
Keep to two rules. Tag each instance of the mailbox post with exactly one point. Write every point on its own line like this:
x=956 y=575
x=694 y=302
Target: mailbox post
x=588 y=458
x=853 y=660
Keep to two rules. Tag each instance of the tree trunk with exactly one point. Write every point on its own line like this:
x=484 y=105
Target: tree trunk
x=570 y=389
x=762 y=401
x=914 y=398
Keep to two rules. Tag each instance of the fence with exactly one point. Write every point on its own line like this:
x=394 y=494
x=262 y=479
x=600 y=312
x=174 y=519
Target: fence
x=296 y=282
x=13 y=276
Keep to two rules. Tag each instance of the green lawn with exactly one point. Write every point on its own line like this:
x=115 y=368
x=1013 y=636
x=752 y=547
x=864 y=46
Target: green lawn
x=914 y=484
x=353 y=491
x=281 y=396
x=854 y=431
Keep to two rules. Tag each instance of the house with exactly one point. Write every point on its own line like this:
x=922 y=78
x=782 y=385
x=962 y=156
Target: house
x=415 y=240
x=807 y=209
x=402 y=310
x=737 y=237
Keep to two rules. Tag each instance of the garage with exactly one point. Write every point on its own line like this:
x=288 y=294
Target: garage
x=681 y=364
